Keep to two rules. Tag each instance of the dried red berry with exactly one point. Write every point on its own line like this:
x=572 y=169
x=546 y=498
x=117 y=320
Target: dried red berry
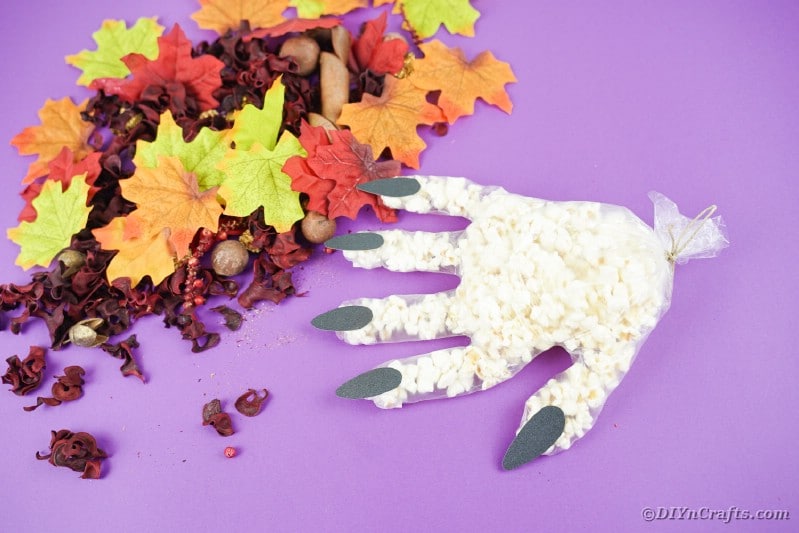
x=230 y=452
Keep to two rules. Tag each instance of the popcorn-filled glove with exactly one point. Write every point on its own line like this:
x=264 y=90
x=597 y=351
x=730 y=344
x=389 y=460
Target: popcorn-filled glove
x=590 y=277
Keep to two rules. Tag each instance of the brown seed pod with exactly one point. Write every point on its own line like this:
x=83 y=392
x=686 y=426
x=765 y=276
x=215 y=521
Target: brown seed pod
x=341 y=41
x=73 y=261
x=317 y=228
x=335 y=81
x=304 y=51
x=84 y=333
x=229 y=258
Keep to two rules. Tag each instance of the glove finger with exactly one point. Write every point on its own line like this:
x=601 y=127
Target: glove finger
x=401 y=251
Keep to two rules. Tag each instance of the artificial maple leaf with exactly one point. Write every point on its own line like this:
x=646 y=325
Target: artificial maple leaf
x=376 y=54
x=253 y=125
x=424 y=17
x=335 y=165
x=292 y=26
x=139 y=254
x=224 y=15
x=63 y=169
x=390 y=120
x=199 y=75
x=61 y=214
x=316 y=8
x=168 y=196
x=115 y=41
x=61 y=125
x=461 y=81
x=200 y=156
x=255 y=179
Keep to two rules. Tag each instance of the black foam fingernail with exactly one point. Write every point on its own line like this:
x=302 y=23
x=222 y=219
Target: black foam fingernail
x=356 y=241
x=345 y=318
x=391 y=186
x=536 y=437
x=371 y=383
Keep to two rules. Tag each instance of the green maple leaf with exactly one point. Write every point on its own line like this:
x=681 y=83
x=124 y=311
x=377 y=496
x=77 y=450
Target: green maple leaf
x=201 y=156
x=115 y=41
x=60 y=214
x=308 y=8
x=255 y=178
x=426 y=16
x=253 y=125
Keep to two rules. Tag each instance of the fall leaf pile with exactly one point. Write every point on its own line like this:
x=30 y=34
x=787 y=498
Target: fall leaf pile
x=190 y=164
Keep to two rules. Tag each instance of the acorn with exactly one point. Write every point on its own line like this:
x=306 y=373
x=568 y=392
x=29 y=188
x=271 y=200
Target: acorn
x=317 y=228
x=229 y=258
x=84 y=333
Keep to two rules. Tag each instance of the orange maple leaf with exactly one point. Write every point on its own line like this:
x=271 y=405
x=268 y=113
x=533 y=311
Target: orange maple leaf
x=61 y=126
x=390 y=120
x=461 y=82
x=168 y=196
x=224 y=15
x=138 y=254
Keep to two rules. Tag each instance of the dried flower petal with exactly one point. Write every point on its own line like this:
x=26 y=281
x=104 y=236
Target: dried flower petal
x=25 y=375
x=233 y=318
x=124 y=350
x=249 y=403
x=76 y=451
x=66 y=388
x=213 y=416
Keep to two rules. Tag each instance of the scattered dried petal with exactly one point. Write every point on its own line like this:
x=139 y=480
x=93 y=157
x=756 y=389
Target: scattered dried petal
x=24 y=376
x=124 y=350
x=213 y=416
x=249 y=403
x=67 y=388
x=76 y=451
x=233 y=318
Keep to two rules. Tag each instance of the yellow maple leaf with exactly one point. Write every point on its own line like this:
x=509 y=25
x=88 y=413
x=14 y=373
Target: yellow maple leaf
x=223 y=15
x=61 y=125
x=168 y=196
x=138 y=254
x=460 y=81
x=390 y=120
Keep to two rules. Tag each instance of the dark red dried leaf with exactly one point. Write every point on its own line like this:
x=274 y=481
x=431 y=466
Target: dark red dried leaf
x=249 y=403
x=25 y=375
x=76 y=451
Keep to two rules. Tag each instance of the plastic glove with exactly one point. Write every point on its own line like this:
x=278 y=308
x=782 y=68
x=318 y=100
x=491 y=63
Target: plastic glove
x=592 y=278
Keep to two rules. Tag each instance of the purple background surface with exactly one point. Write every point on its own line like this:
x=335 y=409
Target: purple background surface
x=697 y=100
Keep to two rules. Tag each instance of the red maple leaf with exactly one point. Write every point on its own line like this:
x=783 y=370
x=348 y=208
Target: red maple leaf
x=379 y=55
x=334 y=166
x=199 y=76
x=63 y=169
